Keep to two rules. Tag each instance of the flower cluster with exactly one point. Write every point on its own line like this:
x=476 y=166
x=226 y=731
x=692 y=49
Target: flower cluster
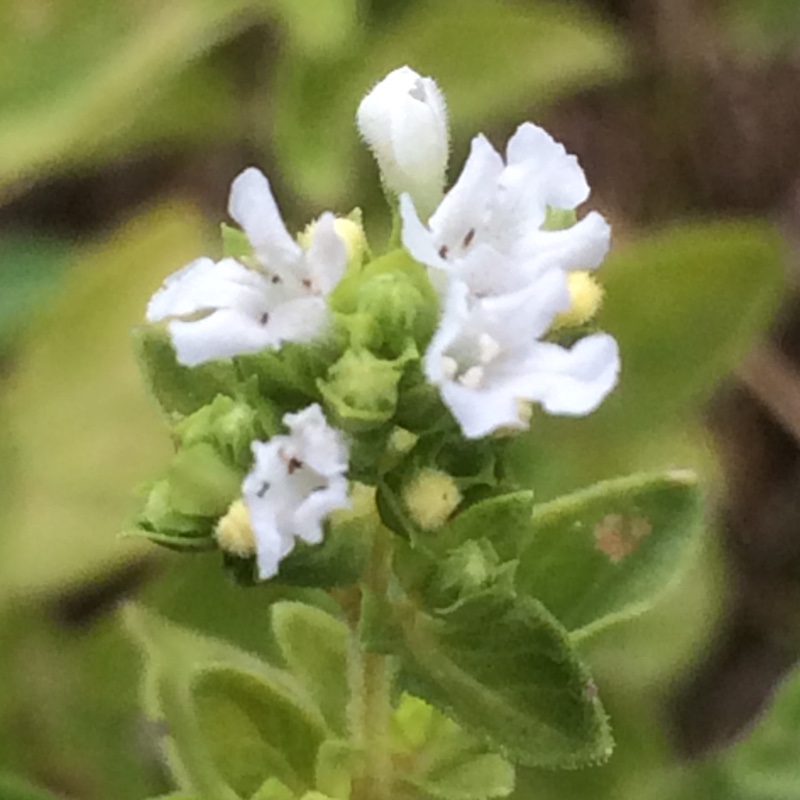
x=471 y=311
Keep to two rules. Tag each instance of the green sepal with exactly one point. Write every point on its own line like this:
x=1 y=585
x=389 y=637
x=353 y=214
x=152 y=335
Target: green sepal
x=201 y=482
x=504 y=669
x=177 y=542
x=314 y=646
x=470 y=569
x=604 y=553
x=159 y=516
x=177 y=389
x=288 y=376
x=235 y=243
x=231 y=425
x=232 y=720
x=504 y=520
x=396 y=292
x=360 y=390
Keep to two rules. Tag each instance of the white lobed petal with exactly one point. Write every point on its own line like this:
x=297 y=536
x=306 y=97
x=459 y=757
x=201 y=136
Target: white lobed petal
x=560 y=178
x=326 y=257
x=296 y=481
x=581 y=246
x=463 y=208
x=573 y=381
x=254 y=208
x=223 y=334
x=487 y=360
x=202 y=285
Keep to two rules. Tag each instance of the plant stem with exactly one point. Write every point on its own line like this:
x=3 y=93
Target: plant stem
x=371 y=678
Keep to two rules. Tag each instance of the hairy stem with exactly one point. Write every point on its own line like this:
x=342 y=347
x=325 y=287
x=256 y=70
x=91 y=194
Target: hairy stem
x=370 y=679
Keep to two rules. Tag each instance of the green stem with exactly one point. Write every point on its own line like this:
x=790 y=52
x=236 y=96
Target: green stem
x=371 y=684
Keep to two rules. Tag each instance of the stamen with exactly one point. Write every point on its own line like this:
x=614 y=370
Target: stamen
x=449 y=367
x=468 y=238
x=488 y=348
x=264 y=318
x=472 y=378
x=263 y=490
x=443 y=251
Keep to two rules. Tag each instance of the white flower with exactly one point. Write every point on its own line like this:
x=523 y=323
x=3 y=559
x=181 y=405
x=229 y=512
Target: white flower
x=218 y=310
x=494 y=215
x=487 y=360
x=404 y=122
x=296 y=481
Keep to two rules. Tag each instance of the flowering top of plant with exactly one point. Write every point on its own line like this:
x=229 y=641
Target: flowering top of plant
x=343 y=422
x=459 y=334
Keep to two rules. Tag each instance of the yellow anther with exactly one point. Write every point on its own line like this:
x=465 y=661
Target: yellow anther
x=234 y=532
x=431 y=497
x=586 y=296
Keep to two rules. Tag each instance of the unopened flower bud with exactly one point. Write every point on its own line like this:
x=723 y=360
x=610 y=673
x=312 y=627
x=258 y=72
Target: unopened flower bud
x=234 y=532
x=404 y=122
x=431 y=497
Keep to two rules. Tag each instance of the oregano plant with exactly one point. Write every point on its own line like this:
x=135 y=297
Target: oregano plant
x=342 y=415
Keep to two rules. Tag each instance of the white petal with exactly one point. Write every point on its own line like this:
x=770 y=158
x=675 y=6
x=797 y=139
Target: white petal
x=299 y=320
x=252 y=205
x=582 y=246
x=518 y=318
x=311 y=513
x=464 y=206
x=222 y=334
x=327 y=255
x=480 y=412
x=403 y=120
x=417 y=239
x=562 y=181
x=319 y=445
x=203 y=285
x=420 y=140
x=573 y=381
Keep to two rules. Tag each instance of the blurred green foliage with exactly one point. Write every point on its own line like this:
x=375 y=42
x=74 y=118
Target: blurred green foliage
x=86 y=83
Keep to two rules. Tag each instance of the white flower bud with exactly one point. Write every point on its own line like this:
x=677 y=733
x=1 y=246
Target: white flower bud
x=404 y=122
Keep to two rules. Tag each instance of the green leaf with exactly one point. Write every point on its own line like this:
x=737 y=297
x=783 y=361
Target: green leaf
x=443 y=760
x=179 y=390
x=472 y=778
x=83 y=430
x=604 y=553
x=766 y=765
x=30 y=271
x=505 y=670
x=13 y=788
x=77 y=77
x=685 y=304
x=233 y=720
x=273 y=789
x=314 y=645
